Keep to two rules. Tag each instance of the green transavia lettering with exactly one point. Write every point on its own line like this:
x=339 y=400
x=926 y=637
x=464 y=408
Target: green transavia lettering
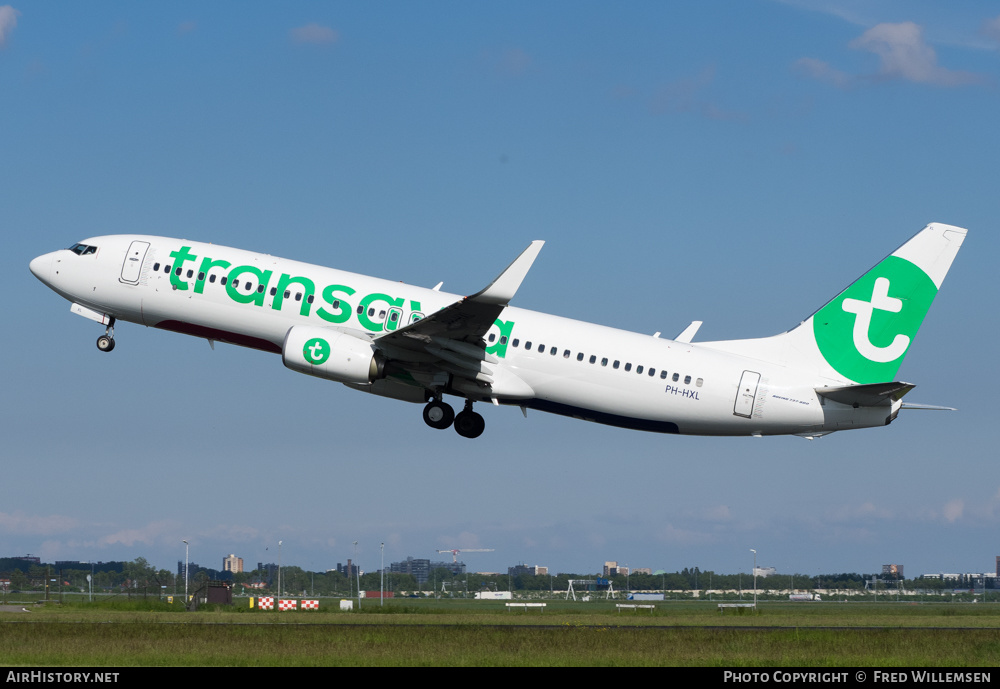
x=247 y=284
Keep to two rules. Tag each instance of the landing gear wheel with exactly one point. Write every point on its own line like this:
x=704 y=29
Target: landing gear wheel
x=438 y=414
x=105 y=343
x=469 y=424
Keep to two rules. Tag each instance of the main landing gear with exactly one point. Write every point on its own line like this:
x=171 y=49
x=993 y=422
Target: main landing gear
x=106 y=342
x=468 y=424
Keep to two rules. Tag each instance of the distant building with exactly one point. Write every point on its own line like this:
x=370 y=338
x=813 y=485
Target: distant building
x=892 y=571
x=349 y=570
x=524 y=569
x=232 y=564
x=420 y=569
x=611 y=569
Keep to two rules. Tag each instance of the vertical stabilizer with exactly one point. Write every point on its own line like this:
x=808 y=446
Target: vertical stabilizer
x=862 y=334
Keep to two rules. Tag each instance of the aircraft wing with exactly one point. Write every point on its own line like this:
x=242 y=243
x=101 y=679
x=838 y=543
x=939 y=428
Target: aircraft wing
x=452 y=340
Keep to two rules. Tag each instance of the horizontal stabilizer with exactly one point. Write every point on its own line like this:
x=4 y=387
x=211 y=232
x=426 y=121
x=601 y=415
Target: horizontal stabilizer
x=871 y=395
x=926 y=407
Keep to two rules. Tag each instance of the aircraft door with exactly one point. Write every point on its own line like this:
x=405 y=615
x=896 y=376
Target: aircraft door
x=746 y=394
x=133 y=262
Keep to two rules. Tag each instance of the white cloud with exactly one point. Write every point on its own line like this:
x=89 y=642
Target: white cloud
x=8 y=20
x=991 y=28
x=669 y=533
x=953 y=509
x=147 y=535
x=821 y=71
x=314 y=33
x=905 y=55
x=21 y=524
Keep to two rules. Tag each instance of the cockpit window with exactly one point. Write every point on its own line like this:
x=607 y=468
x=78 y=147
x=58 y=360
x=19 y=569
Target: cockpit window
x=83 y=249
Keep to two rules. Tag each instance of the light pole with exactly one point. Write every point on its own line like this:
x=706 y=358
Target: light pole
x=279 y=569
x=186 y=547
x=357 y=573
x=381 y=579
x=754 y=578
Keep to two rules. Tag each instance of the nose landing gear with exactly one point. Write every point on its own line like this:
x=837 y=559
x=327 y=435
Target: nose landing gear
x=106 y=342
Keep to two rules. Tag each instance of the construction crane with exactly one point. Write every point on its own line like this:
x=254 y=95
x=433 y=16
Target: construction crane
x=455 y=551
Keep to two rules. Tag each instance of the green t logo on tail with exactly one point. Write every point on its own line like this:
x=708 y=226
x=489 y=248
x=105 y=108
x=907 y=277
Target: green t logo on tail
x=865 y=331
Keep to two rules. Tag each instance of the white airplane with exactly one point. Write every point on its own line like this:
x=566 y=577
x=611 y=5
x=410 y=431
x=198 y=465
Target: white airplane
x=834 y=371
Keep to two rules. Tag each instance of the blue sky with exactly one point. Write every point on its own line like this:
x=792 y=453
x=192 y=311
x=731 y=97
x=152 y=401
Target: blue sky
x=732 y=162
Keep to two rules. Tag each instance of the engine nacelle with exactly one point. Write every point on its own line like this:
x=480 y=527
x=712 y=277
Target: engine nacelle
x=331 y=354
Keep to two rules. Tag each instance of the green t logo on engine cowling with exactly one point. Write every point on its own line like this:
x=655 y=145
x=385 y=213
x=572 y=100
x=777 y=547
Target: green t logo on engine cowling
x=316 y=350
x=865 y=331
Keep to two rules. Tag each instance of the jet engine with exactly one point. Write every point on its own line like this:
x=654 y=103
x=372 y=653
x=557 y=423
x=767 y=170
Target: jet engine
x=331 y=354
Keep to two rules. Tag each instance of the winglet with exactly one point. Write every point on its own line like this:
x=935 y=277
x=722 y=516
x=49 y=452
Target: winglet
x=502 y=290
x=688 y=334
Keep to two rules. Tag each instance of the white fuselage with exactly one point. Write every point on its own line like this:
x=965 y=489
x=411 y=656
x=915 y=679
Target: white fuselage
x=568 y=367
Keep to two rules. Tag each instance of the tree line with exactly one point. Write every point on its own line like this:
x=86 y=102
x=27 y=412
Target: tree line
x=139 y=577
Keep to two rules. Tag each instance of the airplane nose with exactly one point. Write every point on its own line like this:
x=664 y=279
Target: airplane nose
x=41 y=267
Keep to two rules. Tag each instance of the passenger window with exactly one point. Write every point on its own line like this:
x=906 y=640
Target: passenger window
x=579 y=357
x=541 y=349
x=652 y=372
x=298 y=297
x=178 y=272
x=593 y=358
x=699 y=382
x=687 y=380
x=360 y=309
x=516 y=342
x=156 y=267
x=395 y=317
x=201 y=277
x=616 y=364
x=236 y=283
x=628 y=367
x=288 y=293
x=638 y=369
x=527 y=345
x=503 y=339
x=492 y=337
x=553 y=351
x=190 y=273
x=166 y=269
x=211 y=278
x=309 y=299
x=566 y=354
x=676 y=377
x=663 y=375
x=260 y=289
x=604 y=361
x=336 y=304
x=274 y=291
x=223 y=280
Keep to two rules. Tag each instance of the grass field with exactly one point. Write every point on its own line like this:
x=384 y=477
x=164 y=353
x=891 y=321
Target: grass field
x=438 y=633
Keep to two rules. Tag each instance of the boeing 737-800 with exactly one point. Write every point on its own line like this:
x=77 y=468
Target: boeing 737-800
x=835 y=371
